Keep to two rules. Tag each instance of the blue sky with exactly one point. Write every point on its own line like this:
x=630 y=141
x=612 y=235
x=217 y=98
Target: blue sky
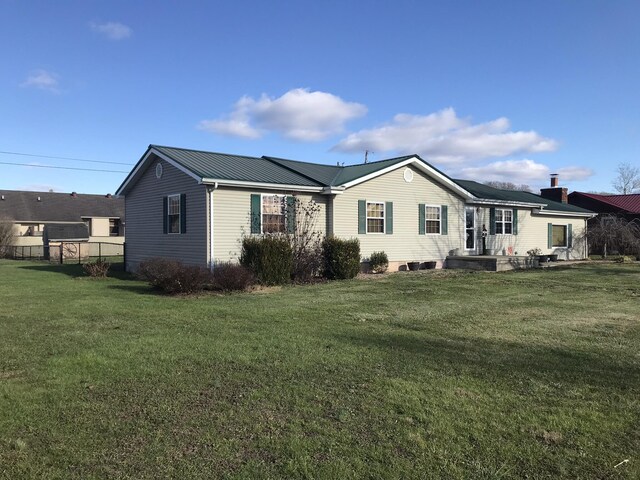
x=507 y=90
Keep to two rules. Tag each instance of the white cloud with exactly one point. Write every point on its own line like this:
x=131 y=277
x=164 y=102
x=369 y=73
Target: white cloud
x=299 y=115
x=112 y=30
x=514 y=171
x=443 y=137
x=522 y=171
x=574 y=173
x=42 y=80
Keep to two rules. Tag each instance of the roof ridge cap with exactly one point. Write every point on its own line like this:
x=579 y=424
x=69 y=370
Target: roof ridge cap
x=205 y=151
x=286 y=167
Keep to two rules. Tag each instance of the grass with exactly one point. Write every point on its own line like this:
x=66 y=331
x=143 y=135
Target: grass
x=532 y=374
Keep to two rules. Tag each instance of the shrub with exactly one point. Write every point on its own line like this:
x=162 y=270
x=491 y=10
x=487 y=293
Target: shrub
x=229 y=277
x=97 y=269
x=172 y=276
x=270 y=258
x=378 y=262
x=341 y=258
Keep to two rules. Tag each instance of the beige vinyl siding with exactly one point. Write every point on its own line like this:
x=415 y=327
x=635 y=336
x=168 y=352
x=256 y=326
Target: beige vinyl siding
x=144 y=228
x=532 y=233
x=405 y=243
x=231 y=212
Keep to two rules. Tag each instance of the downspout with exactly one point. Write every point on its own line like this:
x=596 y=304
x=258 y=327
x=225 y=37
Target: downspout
x=210 y=190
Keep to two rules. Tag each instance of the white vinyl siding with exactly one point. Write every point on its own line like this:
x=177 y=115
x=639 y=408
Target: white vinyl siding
x=533 y=233
x=406 y=243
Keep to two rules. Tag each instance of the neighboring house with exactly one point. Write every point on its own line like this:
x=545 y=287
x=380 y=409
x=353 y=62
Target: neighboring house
x=195 y=206
x=63 y=214
x=627 y=206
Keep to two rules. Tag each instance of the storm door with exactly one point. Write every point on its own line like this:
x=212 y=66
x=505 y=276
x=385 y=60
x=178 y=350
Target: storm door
x=470 y=229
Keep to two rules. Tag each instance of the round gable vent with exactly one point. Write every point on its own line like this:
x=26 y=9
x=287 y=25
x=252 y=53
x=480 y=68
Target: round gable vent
x=159 y=170
x=408 y=175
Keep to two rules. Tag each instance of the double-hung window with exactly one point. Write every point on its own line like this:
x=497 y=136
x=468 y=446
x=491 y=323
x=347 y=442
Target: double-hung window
x=375 y=217
x=432 y=218
x=559 y=236
x=173 y=214
x=274 y=208
x=504 y=221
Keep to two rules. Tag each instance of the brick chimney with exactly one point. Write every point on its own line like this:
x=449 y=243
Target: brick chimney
x=555 y=193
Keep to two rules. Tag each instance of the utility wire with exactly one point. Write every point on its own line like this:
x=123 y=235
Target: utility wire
x=63 y=158
x=63 y=168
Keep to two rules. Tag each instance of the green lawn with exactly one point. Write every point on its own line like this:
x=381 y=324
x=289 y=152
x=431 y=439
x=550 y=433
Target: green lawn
x=415 y=375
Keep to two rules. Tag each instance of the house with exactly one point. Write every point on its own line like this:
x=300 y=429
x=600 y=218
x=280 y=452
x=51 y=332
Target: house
x=627 y=206
x=99 y=218
x=195 y=206
x=616 y=229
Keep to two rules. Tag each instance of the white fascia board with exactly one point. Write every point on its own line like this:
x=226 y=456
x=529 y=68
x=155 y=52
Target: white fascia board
x=143 y=162
x=423 y=167
x=332 y=190
x=504 y=203
x=554 y=213
x=258 y=185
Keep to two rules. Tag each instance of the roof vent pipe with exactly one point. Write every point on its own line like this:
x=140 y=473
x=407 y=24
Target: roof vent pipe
x=39 y=199
x=74 y=194
x=108 y=195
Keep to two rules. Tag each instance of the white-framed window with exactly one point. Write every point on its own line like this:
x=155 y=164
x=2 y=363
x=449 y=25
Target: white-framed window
x=432 y=219
x=375 y=217
x=114 y=227
x=559 y=237
x=504 y=221
x=173 y=214
x=274 y=213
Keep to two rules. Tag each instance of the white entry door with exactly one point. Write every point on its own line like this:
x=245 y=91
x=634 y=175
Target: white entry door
x=470 y=230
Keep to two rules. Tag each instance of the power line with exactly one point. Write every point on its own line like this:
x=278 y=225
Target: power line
x=63 y=158
x=63 y=168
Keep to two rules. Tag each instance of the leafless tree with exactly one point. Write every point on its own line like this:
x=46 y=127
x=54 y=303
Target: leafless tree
x=628 y=179
x=6 y=236
x=609 y=233
x=508 y=186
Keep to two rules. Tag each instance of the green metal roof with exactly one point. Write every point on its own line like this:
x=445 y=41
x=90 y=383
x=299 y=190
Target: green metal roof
x=489 y=193
x=281 y=171
x=353 y=172
x=222 y=166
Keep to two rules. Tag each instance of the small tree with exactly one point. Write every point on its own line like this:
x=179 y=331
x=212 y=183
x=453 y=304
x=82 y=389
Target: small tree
x=628 y=179
x=608 y=233
x=6 y=236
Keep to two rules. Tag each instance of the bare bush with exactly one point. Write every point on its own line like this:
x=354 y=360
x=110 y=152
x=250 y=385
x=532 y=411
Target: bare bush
x=6 y=237
x=229 y=277
x=173 y=277
x=97 y=269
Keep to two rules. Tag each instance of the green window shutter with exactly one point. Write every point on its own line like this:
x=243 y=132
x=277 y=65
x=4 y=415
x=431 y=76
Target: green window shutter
x=183 y=213
x=570 y=235
x=165 y=216
x=388 y=218
x=291 y=214
x=514 y=230
x=444 y=220
x=492 y=221
x=421 y=219
x=256 y=201
x=362 y=216
x=549 y=235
